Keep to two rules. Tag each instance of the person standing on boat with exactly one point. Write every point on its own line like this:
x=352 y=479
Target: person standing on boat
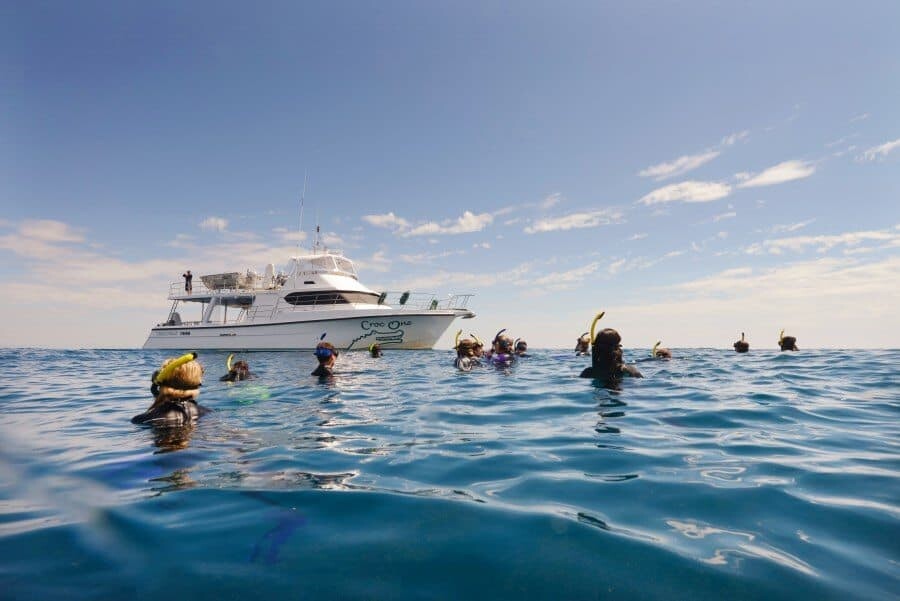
x=188 y=281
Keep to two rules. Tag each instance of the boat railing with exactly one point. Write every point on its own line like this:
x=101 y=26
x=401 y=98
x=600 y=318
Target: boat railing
x=177 y=291
x=402 y=301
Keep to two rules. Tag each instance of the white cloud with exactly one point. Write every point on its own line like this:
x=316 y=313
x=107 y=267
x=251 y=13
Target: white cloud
x=49 y=230
x=791 y=227
x=289 y=235
x=565 y=279
x=690 y=191
x=388 y=220
x=879 y=152
x=640 y=236
x=575 y=221
x=551 y=200
x=679 y=166
x=214 y=224
x=720 y=217
x=735 y=137
x=467 y=223
x=485 y=245
x=822 y=244
x=778 y=174
x=860 y=117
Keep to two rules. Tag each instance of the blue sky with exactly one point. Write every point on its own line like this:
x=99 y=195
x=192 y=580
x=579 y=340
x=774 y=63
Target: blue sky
x=696 y=169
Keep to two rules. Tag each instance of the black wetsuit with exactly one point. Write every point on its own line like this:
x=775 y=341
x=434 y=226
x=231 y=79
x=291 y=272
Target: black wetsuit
x=171 y=413
x=236 y=374
x=188 y=279
x=622 y=370
x=323 y=372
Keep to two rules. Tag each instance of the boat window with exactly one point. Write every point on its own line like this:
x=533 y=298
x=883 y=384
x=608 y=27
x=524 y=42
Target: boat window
x=345 y=265
x=330 y=298
x=322 y=263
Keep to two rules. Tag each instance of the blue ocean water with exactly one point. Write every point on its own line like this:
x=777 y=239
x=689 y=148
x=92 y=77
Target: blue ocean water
x=717 y=476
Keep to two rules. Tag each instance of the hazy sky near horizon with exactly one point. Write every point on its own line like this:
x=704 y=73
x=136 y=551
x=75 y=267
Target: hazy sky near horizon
x=695 y=169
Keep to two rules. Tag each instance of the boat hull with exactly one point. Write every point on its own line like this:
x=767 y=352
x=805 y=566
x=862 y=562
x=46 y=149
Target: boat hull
x=402 y=330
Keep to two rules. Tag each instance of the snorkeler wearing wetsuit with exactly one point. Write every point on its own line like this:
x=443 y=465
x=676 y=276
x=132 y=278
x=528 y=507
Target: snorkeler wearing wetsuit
x=175 y=387
x=607 y=363
x=326 y=354
x=239 y=371
x=466 y=358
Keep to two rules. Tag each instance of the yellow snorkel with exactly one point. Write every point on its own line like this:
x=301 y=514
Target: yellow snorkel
x=228 y=361
x=653 y=352
x=477 y=340
x=164 y=373
x=594 y=323
x=456 y=341
x=371 y=346
x=780 y=337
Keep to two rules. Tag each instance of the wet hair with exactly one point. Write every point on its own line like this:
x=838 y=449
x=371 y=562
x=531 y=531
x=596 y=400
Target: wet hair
x=375 y=349
x=741 y=346
x=521 y=345
x=466 y=348
x=606 y=353
x=788 y=343
x=663 y=353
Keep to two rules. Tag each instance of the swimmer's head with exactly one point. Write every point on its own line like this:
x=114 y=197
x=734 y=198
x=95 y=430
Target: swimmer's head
x=788 y=343
x=326 y=353
x=177 y=378
x=521 y=346
x=663 y=353
x=466 y=348
x=741 y=346
x=375 y=349
x=583 y=344
x=503 y=344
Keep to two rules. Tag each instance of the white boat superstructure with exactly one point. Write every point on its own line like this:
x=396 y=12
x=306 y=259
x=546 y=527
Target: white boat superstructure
x=318 y=293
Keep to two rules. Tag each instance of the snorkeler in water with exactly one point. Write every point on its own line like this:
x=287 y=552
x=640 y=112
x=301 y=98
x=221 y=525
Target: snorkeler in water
x=583 y=345
x=607 y=363
x=660 y=352
x=375 y=350
x=326 y=355
x=787 y=343
x=501 y=353
x=741 y=346
x=479 y=346
x=465 y=354
x=521 y=348
x=240 y=370
x=175 y=387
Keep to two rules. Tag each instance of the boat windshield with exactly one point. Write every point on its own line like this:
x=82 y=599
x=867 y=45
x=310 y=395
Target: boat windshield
x=325 y=263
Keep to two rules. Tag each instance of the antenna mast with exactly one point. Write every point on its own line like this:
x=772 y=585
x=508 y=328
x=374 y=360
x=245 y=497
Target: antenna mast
x=302 y=197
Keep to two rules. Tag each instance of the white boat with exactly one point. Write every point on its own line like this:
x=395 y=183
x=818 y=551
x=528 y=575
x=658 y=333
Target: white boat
x=319 y=293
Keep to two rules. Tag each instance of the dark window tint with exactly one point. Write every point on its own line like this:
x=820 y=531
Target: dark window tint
x=330 y=298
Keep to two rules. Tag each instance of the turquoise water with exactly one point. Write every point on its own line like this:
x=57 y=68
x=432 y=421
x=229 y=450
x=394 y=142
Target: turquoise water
x=717 y=476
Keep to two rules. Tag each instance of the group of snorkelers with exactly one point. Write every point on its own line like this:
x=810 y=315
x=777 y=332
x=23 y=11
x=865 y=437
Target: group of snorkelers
x=470 y=352
x=175 y=386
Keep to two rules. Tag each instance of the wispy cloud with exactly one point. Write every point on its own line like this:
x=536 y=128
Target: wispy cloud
x=564 y=280
x=575 y=221
x=551 y=200
x=778 y=174
x=639 y=236
x=679 y=166
x=720 y=217
x=625 y=264
x=690 y=191
x=879 y=152
x=859 y=117
x=214 y=224
x=467 y=223
x=822 y=243
x=790 y=227
x=734 y=138
x=388 y=220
